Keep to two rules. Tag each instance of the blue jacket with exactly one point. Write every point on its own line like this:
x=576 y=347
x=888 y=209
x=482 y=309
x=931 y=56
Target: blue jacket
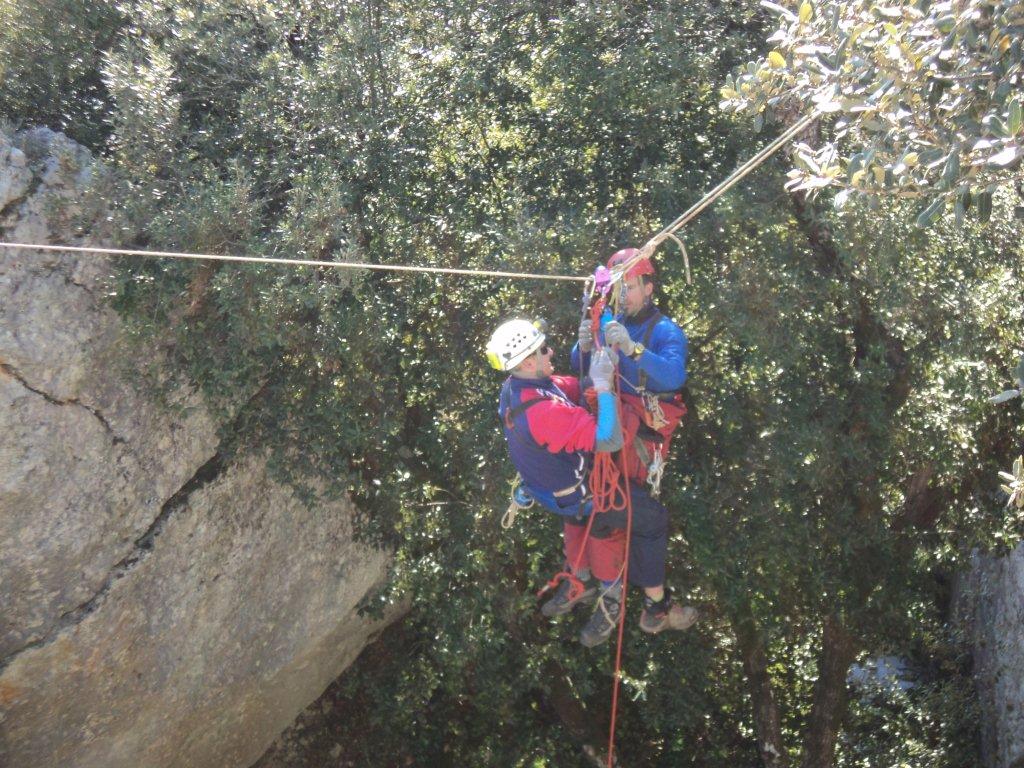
x=663 y=360
x=550 y=443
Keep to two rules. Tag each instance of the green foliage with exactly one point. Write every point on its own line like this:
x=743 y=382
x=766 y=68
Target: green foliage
x=534 y=138
x=926 y=97
x=934 y=722
x=50 y=55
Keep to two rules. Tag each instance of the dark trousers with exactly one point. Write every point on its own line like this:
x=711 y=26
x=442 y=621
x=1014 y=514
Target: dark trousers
x=648 y=541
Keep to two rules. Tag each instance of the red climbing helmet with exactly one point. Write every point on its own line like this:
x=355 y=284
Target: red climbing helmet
x=642 y=267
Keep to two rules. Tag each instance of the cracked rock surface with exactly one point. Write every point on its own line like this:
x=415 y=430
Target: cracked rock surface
x=160 y=607
x=86 y=461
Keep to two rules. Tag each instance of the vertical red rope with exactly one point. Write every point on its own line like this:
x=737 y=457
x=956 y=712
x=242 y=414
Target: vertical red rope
x=610 y=486
x=625 y=589
x=611 y=490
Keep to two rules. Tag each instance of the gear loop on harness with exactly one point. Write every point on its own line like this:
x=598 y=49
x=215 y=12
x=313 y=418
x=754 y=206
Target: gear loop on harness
x=655 y=470
x=519 y=500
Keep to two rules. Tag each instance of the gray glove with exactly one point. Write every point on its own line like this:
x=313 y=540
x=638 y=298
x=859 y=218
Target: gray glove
x=616 y=333
x=586 y=337
x=602 y=371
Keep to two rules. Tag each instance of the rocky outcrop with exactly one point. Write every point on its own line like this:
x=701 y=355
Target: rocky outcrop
x=161 y=606
x=991 y=607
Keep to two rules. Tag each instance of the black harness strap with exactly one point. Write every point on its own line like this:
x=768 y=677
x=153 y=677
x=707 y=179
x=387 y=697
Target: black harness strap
x=511 y=413
x=642 y=378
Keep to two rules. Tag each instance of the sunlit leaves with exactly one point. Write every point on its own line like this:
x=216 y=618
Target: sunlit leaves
x=1014 y=484
x=940 y=82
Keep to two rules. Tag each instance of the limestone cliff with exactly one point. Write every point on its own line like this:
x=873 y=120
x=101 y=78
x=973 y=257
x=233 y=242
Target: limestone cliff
x=161 y=606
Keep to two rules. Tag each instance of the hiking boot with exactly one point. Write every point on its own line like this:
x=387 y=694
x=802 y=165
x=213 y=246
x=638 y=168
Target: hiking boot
x=602 y=622
x=560 y=603
x=657 y=618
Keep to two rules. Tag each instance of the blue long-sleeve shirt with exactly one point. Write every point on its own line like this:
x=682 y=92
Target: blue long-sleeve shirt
x=663 y=360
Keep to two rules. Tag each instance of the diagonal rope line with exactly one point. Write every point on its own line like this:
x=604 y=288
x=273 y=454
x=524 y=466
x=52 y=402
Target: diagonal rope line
x=728 y=183
x=691 y=213
x=292 y=262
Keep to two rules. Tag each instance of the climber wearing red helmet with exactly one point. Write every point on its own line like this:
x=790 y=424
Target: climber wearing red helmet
x=637 y=283
x=654 y=351
x=652 y=364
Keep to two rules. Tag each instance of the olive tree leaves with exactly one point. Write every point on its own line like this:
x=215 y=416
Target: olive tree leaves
x=925 y=98
x=1013 y=482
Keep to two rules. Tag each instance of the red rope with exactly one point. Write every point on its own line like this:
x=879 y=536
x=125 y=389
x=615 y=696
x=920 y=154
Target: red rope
x=625 y=588
x=605 y=478
x=611 y=491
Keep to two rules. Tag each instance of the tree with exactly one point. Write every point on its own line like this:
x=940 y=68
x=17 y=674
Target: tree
x=923 y=100
x=826 y=471
x=50 y=64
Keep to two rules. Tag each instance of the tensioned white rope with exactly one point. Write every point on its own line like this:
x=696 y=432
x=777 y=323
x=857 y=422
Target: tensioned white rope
x=291 y=262
x=697 y=208
x=649 y=247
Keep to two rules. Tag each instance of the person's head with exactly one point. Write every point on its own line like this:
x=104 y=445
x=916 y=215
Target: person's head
x=520 y=348
x=637 y=283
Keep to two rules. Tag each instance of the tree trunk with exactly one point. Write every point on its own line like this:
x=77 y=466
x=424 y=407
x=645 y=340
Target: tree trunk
x=838 y=649
x=581 y=725
x=766 y=710
x=570 y=711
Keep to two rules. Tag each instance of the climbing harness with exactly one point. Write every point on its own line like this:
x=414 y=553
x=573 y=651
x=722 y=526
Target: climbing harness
x=654 y=413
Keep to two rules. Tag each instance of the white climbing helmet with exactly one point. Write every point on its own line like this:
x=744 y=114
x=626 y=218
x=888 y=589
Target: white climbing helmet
x=513 y=342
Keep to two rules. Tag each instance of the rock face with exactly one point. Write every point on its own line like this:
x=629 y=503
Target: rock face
x=991 y=604
x=161 y=607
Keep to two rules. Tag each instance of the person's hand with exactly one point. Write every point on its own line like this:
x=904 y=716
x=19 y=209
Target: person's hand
x=616 y=333
x=602 y=371
x=586 y=337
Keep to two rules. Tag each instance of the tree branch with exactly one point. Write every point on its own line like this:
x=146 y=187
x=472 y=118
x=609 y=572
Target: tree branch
x=838 y=649
x=766 y=710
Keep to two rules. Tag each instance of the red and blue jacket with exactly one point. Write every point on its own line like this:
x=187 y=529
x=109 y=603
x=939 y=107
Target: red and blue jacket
x=664 y=359
x=550 y=442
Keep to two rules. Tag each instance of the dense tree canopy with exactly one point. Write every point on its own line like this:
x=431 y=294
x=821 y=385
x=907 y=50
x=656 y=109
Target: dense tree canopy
x=927 y=97
x=841 y=453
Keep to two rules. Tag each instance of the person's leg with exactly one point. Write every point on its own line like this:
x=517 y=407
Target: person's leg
x=606 y=554
x=607 y=548
x=647 y=554
x=577 y=562
x=577 y=555
x=650 y=519
x=648 y=542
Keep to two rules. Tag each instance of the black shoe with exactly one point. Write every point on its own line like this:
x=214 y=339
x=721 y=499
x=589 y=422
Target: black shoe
x=561 y=602
x=602 y=622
